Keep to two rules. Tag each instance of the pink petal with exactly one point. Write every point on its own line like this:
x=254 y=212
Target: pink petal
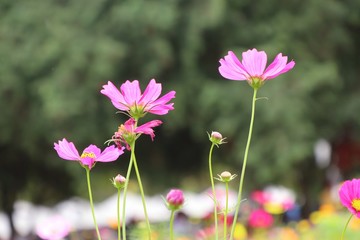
x=151 y=93
x=147 y=128
x=67 y=150
x=278 y=66
x=159 y=106
x=254 y=62
x=115 y=96
x=231 y=68
x=131 y=92
x=110 y=154
x=349 y=191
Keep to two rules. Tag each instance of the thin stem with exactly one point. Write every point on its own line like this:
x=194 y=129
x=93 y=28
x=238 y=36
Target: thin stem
x=226 y=208
x=213 y=191
x=118 y=213
x=124 y=198
x=91 y=202
x=244 y=165
x=141 y=189
x=172 y=217
x=347 y=223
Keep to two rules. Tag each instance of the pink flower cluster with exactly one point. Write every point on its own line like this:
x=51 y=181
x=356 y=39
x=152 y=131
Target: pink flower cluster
x=130 y=100
x=135 y=104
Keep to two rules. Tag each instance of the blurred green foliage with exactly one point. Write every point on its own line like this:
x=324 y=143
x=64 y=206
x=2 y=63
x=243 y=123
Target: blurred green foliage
x=57 y=54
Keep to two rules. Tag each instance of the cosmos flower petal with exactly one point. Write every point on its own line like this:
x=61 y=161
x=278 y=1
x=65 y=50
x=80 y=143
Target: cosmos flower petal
x=231 y=68
x=147 y=128
x=151 y=93
x=161 y=105
x=115 y=96
x=110 y=154
x=254 y=62
x=278 y=66
x=131 y=92
x=66 y=150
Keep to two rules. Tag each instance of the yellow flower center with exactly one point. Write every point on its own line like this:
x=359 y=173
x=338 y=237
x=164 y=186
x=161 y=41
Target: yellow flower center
x=356 y=204
x=88 y=154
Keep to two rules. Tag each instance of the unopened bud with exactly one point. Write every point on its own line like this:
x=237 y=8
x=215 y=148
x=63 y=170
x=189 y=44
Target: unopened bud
x=119 y=181
x=226 y=176
x=175 y=199
x=216 y=138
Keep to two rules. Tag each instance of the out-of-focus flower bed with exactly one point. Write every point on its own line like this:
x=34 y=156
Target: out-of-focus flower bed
x=271 y=213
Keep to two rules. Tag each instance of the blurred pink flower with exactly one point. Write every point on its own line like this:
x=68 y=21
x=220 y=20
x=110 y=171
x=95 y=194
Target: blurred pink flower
x=53 y=228
x=260 y=197
x=205 y=233
x=92 y=154
x=130 y=99
x=260 y=219
x=128 y=132
x=349 y=194
x=175 y=199
x=252 y=67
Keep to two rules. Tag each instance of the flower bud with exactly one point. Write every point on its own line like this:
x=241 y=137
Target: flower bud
x=226 y=176
x=175 y=199
x=119 y=181
x=216 y=138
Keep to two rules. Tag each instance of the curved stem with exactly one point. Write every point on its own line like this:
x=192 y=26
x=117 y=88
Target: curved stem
x=118 y=213
x=91 y=202
x=347 y=223
x=213 y=191
x=172 y=216
x=124 y=198
x=141 y=189
x=244 y=165
x=226 y=208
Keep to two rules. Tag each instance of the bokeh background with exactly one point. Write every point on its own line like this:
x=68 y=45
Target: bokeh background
x=56 y=55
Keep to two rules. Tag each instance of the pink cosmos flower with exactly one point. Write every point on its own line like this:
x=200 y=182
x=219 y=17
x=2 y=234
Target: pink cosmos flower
x=260 y=219
x=92 y=154
x=130 y=99
x=128 y=132
x=349 y=194
x=53 y=228
x=252 y=67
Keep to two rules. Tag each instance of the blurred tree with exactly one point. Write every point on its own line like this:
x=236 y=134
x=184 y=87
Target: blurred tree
x=57 y=55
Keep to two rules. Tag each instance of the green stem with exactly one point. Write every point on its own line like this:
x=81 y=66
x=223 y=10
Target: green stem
x=141 y=189
x=226 y=208
x=118 y=213
x=244 y=165
x=172 y=216
x=124 y=198
x=347 y=223
x=91 y=202
x=213 y=190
